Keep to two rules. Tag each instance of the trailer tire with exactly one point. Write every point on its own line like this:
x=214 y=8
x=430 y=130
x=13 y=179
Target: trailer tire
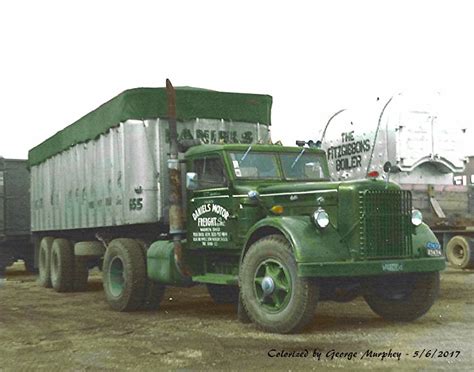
x=223 y=294
x=124 y=275
x=460 y=252
x=81 y=274
x=62 y=265
x=44 y=265
x=402 y=297
x=273 y=295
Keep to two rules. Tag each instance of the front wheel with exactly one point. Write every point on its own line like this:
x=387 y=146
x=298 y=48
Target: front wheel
x=275 y=298
x=402 y=297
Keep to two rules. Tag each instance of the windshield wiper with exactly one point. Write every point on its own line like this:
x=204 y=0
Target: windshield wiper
x=298 y=158
x=246 y=153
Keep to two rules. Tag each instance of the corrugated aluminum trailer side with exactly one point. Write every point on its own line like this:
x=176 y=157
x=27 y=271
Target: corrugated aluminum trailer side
x=120 y=178
x=14 y=213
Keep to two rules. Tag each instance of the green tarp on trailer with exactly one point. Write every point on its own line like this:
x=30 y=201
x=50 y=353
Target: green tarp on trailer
x=150 y=103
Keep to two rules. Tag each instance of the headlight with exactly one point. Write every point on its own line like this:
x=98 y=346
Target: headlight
x=253 y=194
x=416 y=217
x=321 y=218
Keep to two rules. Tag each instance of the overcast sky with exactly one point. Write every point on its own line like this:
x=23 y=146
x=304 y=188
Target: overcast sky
x=62 y=59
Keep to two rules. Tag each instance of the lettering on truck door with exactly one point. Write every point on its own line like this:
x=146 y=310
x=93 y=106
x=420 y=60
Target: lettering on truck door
x=210 y=215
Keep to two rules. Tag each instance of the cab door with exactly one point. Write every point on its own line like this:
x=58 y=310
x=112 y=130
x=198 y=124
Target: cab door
x=211 y=218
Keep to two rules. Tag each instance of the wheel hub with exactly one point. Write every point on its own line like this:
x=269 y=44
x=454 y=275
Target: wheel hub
x=272 y=285
x=458 y=252
x=268 y=286
x=116 y=277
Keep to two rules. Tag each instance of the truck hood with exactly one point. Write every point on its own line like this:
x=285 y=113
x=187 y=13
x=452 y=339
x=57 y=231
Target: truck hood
x=303 y=198
x=297 y=198
x=298 y=187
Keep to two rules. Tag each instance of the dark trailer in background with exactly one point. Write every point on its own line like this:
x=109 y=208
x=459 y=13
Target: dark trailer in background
x=15 y=213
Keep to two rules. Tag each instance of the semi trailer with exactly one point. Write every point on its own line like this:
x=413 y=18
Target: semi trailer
x=422 y=147
x=182 y=187
x=15 y=241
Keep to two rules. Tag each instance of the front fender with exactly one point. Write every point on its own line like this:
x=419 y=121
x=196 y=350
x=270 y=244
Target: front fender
x=309 y=243
x=421 y=237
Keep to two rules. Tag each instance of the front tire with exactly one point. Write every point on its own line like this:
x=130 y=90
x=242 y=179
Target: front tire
x=124 y=275
x=402 y=297
x=275 y=298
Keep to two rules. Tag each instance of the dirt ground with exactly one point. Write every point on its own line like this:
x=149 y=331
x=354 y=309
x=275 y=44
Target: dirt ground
x=44 y=330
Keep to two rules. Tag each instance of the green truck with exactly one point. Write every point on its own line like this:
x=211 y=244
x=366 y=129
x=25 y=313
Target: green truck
x=260 y=224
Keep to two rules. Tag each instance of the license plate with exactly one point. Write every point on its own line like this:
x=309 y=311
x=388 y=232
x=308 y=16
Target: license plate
x=392 y=267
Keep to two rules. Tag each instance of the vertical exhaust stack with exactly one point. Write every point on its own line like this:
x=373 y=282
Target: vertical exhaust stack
x=176 y=219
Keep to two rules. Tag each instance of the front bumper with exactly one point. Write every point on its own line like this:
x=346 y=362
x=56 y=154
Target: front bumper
x=365 y=268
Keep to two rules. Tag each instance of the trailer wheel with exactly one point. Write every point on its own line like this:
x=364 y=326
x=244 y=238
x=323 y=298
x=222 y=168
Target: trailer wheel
x=223 y=294
x=44 y=266
x=402 y=297
x=81 y=274
x=124 y=275
x=275 y=298
x=62 y=265
x=460 y=252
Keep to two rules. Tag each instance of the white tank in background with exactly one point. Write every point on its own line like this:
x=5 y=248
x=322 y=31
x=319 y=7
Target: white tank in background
x=421 y=138
x=411 y=134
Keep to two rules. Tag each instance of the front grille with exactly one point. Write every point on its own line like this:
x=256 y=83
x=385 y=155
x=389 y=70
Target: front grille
x=385 y=224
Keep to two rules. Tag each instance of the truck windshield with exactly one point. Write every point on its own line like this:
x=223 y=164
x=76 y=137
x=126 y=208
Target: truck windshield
x=303 y=166
x=255 y=165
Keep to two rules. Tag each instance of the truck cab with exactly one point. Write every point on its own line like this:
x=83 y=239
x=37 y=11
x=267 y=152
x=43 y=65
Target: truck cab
x=233 y=187
x=265 y=221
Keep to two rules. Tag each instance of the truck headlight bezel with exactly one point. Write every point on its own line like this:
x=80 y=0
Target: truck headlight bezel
x=416 y=217
x=321 y=218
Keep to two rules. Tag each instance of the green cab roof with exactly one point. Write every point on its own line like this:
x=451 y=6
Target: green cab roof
x=208 y=149
x=151 y=103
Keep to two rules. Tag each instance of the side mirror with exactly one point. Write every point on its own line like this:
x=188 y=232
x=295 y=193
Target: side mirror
x=191 y=181
x=389 y=168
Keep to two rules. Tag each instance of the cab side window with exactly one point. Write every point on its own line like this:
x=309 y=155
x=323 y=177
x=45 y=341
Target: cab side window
x=210 y=172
